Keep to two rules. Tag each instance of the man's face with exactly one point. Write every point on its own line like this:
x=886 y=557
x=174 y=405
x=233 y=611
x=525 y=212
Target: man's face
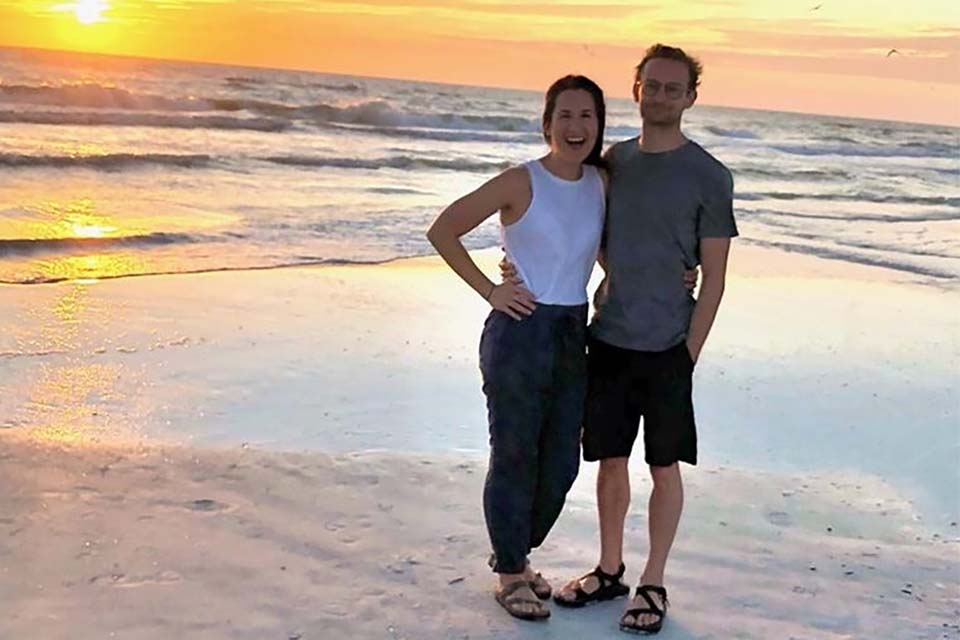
x=664 y=91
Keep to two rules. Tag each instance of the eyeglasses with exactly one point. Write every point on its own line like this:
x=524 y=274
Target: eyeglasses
x=672 y=90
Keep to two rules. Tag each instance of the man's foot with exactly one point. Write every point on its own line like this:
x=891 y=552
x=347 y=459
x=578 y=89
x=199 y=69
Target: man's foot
x=647 y=610
x=595 y=586
x=521 y=602
x=538 y=583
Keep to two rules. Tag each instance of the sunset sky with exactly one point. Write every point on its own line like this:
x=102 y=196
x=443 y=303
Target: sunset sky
x=828 y=56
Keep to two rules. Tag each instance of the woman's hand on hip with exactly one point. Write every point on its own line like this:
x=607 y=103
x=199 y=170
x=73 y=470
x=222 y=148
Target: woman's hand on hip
x=512 y=299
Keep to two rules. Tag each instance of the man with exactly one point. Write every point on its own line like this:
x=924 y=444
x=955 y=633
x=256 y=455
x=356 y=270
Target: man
x=670 y=208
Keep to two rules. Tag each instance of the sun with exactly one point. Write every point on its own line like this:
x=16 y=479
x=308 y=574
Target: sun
x=90 y=11
x=86 y=11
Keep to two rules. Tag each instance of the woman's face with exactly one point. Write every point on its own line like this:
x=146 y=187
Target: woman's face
x=573 y=125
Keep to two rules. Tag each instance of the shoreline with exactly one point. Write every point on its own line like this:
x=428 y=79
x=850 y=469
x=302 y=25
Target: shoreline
x=394 y=366
x=840 y=267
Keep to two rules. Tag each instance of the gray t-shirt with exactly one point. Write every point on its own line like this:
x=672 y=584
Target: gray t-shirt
x=659 y=206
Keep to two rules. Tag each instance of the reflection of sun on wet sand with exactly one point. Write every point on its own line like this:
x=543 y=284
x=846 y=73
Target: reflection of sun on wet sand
x=78 y=240
x=106 y=527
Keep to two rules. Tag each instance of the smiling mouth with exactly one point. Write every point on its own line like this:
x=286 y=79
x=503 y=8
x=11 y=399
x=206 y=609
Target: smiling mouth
x=576 y=143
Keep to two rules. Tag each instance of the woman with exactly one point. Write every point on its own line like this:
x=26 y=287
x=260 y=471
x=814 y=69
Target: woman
x=532 y=351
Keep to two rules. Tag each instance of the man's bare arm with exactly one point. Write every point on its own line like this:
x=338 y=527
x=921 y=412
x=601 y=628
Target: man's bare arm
x=713 y=262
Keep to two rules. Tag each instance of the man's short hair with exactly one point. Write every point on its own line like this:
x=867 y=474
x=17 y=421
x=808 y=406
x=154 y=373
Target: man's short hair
x=672 y=53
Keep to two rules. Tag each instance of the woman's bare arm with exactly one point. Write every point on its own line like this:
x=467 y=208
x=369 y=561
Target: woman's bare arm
x=508 y=193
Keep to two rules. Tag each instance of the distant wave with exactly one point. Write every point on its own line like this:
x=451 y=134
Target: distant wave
x=946 y=172
x=122 y=161
x=790 y=174
x=742 y=134
x=106 y=162
x=909 y=150
x=249 y=79
x=936 y=216
x=856 y=257
x=90 y=95
x=838 y=139
x=279 y=118
x=854 y=197
x=31 y=246
x=393 y=162
x=913 y=251
x=243 y=82
x=397 y=191
x=448 y=135
x=349 y=87
x=380 y=113
x=94 y=96
x=143 y=120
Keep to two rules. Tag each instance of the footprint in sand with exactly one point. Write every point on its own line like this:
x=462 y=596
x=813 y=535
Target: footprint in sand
x=208 y=506
x=123 y=581
x=337 y=610
x=779 y=518
x=164 y=577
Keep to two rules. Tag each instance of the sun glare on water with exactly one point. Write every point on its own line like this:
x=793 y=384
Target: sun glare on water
x=81 y=230
x=87 y=11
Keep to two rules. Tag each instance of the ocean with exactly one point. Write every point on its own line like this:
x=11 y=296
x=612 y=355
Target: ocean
x=113 y=167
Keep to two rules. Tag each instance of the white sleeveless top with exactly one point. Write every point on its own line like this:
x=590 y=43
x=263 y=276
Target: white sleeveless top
x=554 y=244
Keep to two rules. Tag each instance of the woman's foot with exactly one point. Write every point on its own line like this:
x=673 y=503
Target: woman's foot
x=538 y=583
x=516 y=596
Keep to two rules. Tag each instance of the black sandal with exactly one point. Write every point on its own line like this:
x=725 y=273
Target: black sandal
x=610 y=588
x=511 y=601
x=643 y=591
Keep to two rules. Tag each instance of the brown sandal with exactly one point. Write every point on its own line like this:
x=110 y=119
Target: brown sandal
x=539 y=584
x=510 y=600
x=541 y=587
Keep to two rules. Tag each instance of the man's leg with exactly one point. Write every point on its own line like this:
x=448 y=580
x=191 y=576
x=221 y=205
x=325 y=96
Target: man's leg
x=613 y=501
x=610 y=427
x=665 y=507
x=669 y=438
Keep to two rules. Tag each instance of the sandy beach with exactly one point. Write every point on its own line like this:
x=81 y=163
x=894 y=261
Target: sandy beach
x=299 y=453
x=156 y=542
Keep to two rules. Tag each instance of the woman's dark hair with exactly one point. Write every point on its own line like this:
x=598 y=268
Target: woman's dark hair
x=572 y=82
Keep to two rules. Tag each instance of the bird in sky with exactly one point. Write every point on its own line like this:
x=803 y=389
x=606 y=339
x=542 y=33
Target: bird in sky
x=893 y=51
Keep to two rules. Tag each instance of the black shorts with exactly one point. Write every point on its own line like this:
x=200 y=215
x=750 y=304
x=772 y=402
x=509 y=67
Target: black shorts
x=624 y=385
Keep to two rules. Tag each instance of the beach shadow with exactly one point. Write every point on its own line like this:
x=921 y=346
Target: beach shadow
x=595 y=621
